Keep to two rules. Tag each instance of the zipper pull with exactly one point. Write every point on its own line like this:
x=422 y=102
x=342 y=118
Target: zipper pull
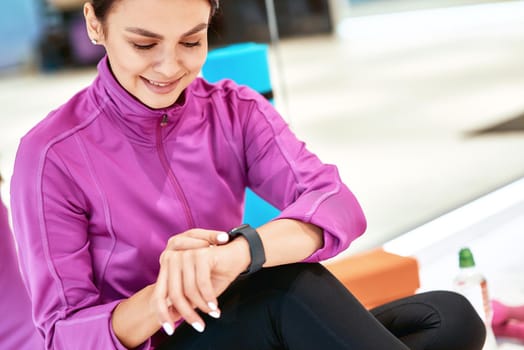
x=164 y=121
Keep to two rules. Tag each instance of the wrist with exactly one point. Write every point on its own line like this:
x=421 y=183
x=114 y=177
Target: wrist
x=242 y=257
x=133 y=321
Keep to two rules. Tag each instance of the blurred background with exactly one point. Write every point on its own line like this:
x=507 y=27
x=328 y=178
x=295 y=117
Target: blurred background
x=419 y=102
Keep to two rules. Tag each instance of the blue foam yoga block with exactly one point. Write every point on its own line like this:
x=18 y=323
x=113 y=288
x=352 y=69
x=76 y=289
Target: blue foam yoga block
x=246 y=64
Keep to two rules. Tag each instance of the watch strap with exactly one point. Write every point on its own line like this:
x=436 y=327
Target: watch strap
x=256 y=248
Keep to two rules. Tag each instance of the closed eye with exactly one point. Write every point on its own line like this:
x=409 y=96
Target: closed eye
x=191 y=44
x=144 y=47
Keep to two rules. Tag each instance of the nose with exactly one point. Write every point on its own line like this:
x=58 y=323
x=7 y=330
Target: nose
x=167 y=64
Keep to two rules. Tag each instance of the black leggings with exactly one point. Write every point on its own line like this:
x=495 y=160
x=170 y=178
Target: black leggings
x=303 y=306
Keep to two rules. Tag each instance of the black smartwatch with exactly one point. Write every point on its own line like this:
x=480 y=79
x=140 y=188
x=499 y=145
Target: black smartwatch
x=256 y=248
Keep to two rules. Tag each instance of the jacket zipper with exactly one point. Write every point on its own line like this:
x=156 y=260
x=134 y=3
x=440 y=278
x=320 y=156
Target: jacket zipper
x=172 y=178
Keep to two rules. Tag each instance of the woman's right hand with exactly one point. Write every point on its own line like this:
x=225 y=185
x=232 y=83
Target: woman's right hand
x=196 y=267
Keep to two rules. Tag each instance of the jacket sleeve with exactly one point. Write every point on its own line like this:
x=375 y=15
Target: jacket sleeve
x=16 y=327
x=51 y=226
x=283 y=171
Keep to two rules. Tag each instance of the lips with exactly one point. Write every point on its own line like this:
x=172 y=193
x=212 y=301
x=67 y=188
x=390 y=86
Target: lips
x=161 y=87
x=156 y=83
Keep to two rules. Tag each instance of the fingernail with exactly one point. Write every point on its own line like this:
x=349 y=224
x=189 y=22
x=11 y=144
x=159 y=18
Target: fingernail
x=212 y=306
x=223 y=237
x=199 y=327
x=214 y=314
x=168 y=328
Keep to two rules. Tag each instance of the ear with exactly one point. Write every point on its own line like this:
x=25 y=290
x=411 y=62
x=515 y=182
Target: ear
x=93 y=24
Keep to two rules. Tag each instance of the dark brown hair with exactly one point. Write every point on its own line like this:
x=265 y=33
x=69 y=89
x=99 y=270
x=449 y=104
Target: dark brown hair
x=102 y=7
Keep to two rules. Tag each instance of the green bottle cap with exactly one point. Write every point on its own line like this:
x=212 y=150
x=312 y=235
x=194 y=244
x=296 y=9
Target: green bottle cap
x=466 y=258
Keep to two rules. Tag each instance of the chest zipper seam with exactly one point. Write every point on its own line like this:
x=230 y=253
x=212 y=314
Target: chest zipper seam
x=172 y=178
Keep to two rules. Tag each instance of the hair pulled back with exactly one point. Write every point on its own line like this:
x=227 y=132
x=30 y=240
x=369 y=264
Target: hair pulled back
x=102 y=7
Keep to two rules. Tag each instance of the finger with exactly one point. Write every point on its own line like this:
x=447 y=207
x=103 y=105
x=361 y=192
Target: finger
x=197 y=238
x=160 y=304
x=177 y=296
x=205 y=286
x=221 y=238
x=190 y=288
x=211 y=236
x=197 y=281
x=184 y=242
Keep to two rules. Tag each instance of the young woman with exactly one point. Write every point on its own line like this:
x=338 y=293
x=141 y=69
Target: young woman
x=123 y=199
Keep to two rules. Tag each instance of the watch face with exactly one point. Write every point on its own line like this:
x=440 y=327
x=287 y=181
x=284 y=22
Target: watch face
x=238 y=228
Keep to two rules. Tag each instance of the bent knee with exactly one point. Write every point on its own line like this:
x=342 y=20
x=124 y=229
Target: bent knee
x=460 y=319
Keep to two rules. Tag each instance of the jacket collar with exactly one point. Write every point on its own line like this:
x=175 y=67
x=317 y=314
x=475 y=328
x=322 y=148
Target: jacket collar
x=137 y=120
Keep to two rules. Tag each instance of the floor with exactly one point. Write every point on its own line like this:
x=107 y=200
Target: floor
x=402 y=103
x=491 y=226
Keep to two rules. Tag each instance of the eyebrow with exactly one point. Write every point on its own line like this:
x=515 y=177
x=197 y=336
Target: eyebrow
x=149 y=34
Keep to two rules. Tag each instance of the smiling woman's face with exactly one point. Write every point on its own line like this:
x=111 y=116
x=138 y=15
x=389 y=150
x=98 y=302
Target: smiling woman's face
x=156 y=48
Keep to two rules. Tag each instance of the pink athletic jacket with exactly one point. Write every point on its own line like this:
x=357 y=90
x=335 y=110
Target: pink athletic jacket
x=17 y=330
x=102 y=183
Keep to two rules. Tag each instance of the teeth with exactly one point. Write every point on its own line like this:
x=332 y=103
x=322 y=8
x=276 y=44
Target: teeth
x=157 y=83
